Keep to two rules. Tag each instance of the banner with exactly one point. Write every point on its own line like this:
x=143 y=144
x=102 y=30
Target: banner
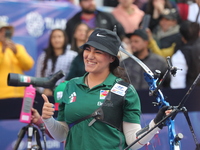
x=33 y=22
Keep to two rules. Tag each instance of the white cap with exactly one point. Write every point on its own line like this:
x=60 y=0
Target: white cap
x=5 y=25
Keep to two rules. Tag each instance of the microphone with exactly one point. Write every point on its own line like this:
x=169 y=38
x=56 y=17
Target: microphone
x=28 y=101
x=23 y=80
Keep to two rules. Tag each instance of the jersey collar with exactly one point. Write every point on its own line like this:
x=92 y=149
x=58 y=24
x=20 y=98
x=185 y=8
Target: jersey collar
x=110 y=80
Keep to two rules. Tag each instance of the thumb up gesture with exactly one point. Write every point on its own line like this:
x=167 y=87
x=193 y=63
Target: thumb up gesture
x=48 y=108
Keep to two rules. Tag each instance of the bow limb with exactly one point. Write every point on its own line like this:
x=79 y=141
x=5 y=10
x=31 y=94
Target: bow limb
x=146 y=69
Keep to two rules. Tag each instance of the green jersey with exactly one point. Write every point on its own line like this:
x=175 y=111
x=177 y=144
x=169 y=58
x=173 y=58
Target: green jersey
x=79 y=101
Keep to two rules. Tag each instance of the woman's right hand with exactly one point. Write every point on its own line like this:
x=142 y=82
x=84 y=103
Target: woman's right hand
x=48 y=108
x=35 y=117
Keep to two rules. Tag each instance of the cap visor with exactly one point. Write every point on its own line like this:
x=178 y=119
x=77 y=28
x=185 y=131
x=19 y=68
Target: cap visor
x=98 y=46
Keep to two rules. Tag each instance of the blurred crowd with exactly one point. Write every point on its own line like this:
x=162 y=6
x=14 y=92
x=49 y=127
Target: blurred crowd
x=151 y=30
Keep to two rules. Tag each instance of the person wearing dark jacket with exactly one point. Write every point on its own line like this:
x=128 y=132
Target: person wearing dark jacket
x=155 y=9
x=167 y=32
x=187 y=57
x=134 y=72
x=93 y=18
x=77 y=68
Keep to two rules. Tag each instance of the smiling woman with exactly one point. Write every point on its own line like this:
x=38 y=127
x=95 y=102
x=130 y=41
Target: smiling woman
x=97 y=64
x=99 y=109
x=100 y=55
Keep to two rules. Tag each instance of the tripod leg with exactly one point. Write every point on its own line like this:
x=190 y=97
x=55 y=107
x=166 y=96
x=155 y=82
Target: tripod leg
x=30 y=135
x=185 y=112
x=42 y=128
x=20 y=137
x=37 y=137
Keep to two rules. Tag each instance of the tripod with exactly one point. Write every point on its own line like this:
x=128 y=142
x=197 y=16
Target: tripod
x=31 y=131
x=47 y=82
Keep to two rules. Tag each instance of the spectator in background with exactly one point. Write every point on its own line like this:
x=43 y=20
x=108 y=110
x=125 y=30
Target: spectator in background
x=110 y=3
x=128 y=14
x=77 y=68
x=71 y=1
x=183 y=6
x=127 y=46
x=139 y=46
x=153 y=46
x=93 y=18
x=13 y=59
x=55 y=57
x=189 y=10
x=167 y=32
x=79 y=38
x=194 y=11
x=114 y=3
x=155 y=9
x=187 y=57
x=140 y=3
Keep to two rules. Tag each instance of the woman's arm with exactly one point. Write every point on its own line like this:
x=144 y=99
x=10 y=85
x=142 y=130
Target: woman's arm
x=132 y=131
x=57 y=129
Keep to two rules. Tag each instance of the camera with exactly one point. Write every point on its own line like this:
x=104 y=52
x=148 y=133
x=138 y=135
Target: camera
x=8 y=33
x=23 y=80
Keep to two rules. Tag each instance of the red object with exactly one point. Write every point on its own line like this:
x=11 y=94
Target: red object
x=56 y=106
x=183 y=10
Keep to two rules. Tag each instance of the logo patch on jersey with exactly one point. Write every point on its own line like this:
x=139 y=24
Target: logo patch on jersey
x=119 y=89
x=72 y=97
x=103 y=94
x=59 y=95
x=99 y=103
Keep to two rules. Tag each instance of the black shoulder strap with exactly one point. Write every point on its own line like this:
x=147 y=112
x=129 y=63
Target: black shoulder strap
x=111 y=111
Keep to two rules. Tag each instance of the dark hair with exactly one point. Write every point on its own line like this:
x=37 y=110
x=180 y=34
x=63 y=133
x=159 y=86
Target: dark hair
x=189 y=30
x=117 y=71
x=150 y=7
x=73 y=43
x=50 y=54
